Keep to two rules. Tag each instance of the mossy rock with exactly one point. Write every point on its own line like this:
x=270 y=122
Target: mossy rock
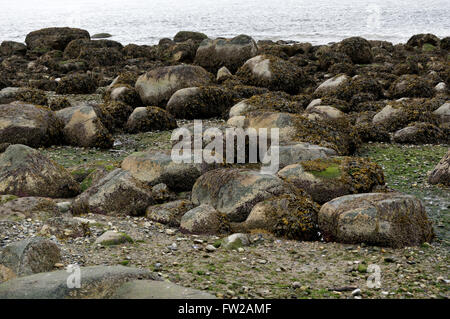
x=325 y=179
x=150 y=118
x=289 y=216
x=33 y=96
x=273 y=73
x=200 y=102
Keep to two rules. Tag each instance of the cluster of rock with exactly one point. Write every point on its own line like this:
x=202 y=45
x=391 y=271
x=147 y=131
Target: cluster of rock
x=325 y=100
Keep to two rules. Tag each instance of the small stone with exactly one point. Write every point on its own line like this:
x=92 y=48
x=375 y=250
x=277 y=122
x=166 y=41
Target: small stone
x=296 y=285
x=170 y=232
x=356 y=292
x=262 y=261
x=210 y=248
x=241 y=250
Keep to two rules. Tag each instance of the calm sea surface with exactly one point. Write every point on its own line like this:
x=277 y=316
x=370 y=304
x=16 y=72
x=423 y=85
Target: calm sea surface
x=146 y=21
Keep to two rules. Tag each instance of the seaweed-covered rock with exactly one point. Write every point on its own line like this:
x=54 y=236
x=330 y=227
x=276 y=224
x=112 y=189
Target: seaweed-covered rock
x=29 y=124
x=157 y=86
x=331 y=86
x=75 y=48
x=398 y=114
x=10 y=48
x=53 y=38
x=183 y=36
x=200 y=102
x=418 y=40
x=83 y=127
x=443 y=112
x=232 y=53
x=150 y=118
x=203 y=219
x=324 y=112
x=273 y=101
x=158 y=167
x=223 y=74
x=30 y=256
x=360 y=88
x=409 y=85
x=357 y=48
x=78 y=83
x=32 y=96
x=290 y=216
x=123 y=93
x=118 y=193
x=441 y=173
x=338 y=134
x=169 y=213
x=119 y=112
x=328 y=57
x=273 y=73
x=59 y=103
x=234 y=192
x=382 y=219
x=325 y=179
x=420 y=133
x=26 y=172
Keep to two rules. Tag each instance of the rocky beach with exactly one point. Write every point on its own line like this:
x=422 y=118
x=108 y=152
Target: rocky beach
x=358 y=207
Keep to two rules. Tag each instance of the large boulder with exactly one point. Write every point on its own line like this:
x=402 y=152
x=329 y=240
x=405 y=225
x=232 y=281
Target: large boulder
x=53 y=38
x=420 y=133
x=272 y=101
x=296 y=152
x=441 y=173
x=169 y=213
x=96 y=282
x=83 y=127
x=29 y=124
x=332 y=85
x=357 y=48
x=410 y=85
x=156 y=86
x=152 y=289
x=231 y=53
x=13 y=208
x=289 y=216
x=153 y=167
x=234 y=192
x=10 y=48
x=118 y=193
x=273 y=73
x=443 y=112
x=382 y=219
x=75 y=48
x=183 y=36
x=77 y=83
x=117 y=112
x=325 y=179
x=30 y=256
x=200 y=102
x=203 y=219
x=150 y=118
x=123 y=93
x=26 y=172
x=418 y=40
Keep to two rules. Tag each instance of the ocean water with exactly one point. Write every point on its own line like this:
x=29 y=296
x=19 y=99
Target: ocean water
x=147 y=21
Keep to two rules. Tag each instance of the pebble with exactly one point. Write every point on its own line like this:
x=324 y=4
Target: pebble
x=356 y=292
x=170 y=232
x=296 y=285
x=210 y=248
